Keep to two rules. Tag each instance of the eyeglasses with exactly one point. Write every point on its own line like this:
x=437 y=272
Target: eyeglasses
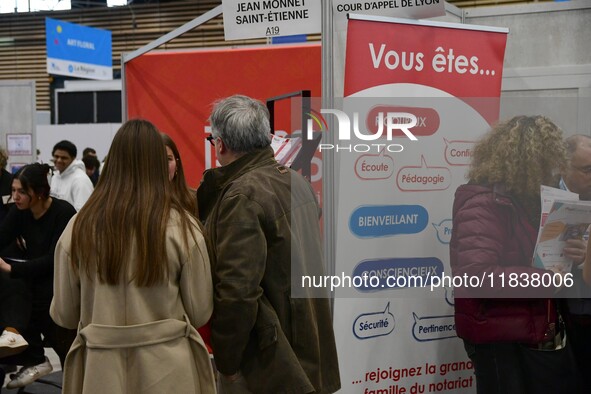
x=210 y=138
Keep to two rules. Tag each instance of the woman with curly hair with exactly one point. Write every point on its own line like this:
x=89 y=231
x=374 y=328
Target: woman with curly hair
x=495 y=223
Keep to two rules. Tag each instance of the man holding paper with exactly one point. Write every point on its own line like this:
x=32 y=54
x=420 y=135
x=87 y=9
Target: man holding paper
x=577 y=179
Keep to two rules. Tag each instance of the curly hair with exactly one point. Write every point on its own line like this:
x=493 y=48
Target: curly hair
x=521 y=154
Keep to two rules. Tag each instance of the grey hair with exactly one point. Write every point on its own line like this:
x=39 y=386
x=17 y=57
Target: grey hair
x=574 y=141
x=242 y=123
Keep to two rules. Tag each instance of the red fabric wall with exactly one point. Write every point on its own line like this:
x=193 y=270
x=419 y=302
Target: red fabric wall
x=175 y=90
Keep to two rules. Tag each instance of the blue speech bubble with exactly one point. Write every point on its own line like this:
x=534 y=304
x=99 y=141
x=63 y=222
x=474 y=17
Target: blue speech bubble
x=443 y=230
x=433 y=328
x=375 y=324
x=374 y=221
x=396 y=273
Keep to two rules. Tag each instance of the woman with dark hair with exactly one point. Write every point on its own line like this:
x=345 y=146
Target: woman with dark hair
x=5 y=184
x=133 y=275
x=176 y=174
x=512 y=334
x=35 y=222
x=188 y=199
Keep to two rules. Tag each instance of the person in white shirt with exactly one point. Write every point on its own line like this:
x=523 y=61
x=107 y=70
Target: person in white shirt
x=70 y=183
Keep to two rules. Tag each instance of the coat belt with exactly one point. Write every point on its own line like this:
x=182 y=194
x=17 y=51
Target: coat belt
x=99 y=336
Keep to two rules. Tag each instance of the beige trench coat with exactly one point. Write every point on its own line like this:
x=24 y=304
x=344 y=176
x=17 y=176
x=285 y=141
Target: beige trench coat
x=137 y=339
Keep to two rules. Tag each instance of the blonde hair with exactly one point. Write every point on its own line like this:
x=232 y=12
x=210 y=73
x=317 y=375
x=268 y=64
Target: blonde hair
x=521 y=154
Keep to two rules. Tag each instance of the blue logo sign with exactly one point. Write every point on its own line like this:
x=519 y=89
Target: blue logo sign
x=387 y=220
x=77 y=50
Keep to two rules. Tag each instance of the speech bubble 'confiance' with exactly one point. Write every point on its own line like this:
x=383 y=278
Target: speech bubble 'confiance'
x=433 y=328
x=443 y=230
x=387 y=220
x=423 y=178
x=396 y=273
x=375 y=324
x=458 y=153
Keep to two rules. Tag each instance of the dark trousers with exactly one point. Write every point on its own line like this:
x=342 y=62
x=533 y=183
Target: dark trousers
x=510 y=368
x=497 y=368
x=15 y=303
x=578 y=329
x=30 y=316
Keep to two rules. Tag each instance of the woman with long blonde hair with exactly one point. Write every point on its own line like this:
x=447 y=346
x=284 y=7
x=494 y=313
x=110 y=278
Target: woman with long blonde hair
x=133 y=275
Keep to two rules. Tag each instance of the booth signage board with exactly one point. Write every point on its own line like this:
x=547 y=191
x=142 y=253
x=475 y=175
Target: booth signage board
x=415 y=9
x=394 y=225
x=19 y=144
x=78 y=51
x=270 y=18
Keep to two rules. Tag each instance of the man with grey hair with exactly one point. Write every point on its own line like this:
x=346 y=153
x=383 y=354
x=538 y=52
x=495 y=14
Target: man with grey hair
x=262 y=222
x=577 y=179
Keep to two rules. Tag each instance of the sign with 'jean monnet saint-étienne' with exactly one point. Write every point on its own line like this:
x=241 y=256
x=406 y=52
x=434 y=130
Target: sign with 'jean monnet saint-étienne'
x=78 y=51
x=270 y=18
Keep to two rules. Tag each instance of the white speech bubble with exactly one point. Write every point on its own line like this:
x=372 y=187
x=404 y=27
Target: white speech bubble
x=458 y=153
x=443 y=230
x=423 y=178
x=375 y=324
x=373 y=167
x=433 y=328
